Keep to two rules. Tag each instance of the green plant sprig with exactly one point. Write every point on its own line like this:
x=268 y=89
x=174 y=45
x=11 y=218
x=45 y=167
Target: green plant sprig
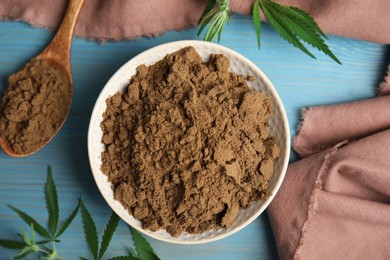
x=46 y=249
x=217 y=17
x=143 y=249
x=293 y=24
x=51 y=235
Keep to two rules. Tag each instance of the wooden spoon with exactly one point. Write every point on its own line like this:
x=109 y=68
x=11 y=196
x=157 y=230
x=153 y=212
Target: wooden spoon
x=57 y=55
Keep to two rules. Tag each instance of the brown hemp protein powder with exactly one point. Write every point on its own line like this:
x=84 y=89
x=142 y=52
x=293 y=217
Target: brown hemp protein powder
x=33 y=106
x=187 y=144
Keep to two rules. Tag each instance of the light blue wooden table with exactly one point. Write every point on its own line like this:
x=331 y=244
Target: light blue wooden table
x=300 y=81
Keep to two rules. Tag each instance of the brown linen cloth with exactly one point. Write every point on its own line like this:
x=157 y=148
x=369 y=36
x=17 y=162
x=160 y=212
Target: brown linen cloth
x=335 y=203
x=128 y=19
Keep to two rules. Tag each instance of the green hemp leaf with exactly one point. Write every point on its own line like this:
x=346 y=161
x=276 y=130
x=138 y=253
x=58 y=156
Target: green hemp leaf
x=108 y=233
x=91 y=232
x=30 y=221
x=257 y=20
x=144 y=249
x=217 y=17
x=27 y=244
x=293 y=24
x=50 y=235
x=51 y=202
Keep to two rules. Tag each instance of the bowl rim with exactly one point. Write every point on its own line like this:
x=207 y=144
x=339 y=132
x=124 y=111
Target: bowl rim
x=271 y=88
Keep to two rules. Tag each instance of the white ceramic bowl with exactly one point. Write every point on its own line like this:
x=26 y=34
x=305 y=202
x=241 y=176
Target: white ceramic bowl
x=278 y=127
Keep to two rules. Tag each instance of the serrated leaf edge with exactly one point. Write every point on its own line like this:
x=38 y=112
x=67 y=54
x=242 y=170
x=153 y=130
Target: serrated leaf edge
x=28 y=220
x=90 y=232
x=142 y=245
x=111 y=226
x=51 y=199
x=282 y=30
x=305 y=28
x=68 y=221
x=257 y=20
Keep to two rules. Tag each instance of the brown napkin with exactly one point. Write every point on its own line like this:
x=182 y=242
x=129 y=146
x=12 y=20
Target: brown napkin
x=335 y=203
x=128 y=19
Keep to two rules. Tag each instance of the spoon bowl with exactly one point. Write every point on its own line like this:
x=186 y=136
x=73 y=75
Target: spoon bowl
x=57 y=56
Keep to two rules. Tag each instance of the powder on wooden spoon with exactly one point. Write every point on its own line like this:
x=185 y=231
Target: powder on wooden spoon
x=187 y=144
x=33 y=106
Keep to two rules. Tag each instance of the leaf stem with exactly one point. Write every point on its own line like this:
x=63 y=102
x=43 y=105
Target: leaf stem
x=43 y=251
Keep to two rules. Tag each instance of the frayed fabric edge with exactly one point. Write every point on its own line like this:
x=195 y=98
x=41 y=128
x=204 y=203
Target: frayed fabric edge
x=4 y=18
x=101 y=39
x=299 y=145
x=312 y=202
x=304 y=112
x=302 y=151
x=384 y=87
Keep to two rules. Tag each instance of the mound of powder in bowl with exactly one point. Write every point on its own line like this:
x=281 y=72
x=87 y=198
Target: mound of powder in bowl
x=187 y=144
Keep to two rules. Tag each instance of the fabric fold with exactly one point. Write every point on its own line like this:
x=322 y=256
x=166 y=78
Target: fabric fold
x=118 y=19
x=289 y=210
x=325 y=126
x=347 y=215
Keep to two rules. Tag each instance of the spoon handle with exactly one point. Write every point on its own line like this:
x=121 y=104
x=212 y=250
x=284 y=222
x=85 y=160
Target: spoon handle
x=59 y=48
